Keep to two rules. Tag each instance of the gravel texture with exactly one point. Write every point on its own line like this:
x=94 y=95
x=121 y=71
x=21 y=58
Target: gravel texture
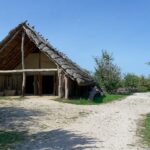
x=52 y=125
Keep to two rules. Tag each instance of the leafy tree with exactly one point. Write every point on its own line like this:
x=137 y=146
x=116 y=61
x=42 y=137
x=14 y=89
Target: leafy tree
x=131 y=80
x=144 y=84
x=107 y=74
x=140 y=83
x=148 y=83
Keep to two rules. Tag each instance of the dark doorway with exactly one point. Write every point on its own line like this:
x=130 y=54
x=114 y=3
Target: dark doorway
x=47 y=84
x=29 y=84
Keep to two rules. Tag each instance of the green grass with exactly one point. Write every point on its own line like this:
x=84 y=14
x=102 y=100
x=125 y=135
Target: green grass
x=4 y=98
x=145 y=131
x=19 y=98
x=100 y=100
x=9 y=138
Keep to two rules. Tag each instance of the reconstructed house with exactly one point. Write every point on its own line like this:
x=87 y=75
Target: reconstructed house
x=29 y=65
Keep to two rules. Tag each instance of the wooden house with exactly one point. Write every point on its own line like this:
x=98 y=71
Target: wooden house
x=29 y=65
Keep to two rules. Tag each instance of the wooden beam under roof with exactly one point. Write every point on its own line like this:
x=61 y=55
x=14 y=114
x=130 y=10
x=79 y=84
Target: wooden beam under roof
x=26 y=70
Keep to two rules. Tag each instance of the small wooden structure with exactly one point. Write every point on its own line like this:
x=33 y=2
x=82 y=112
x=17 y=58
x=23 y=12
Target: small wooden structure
x=29 y=65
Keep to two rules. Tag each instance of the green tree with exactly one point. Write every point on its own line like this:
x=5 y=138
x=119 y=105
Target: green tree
x=144 y=84
x=107 y=74
x=140 y=83
x=131 y=80
x=148 y=83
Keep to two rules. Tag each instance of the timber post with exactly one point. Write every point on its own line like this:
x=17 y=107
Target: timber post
x=39 y=76
x=66 y=87
x=23 y=64
x=60 y=83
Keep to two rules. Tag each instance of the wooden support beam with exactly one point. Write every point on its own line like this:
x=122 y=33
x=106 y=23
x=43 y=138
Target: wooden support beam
x=39 y=84
x=27 y=70
x=35 y=85
x=39 y=76
x=55 y=84
x=66 y=87
x=23 y=64
x=60 y=84
x=23 y=83
x=39 y=60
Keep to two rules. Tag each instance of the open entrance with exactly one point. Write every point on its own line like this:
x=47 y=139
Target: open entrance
x=29 y=84
x=47 y=84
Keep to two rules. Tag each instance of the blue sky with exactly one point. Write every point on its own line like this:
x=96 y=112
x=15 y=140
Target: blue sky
x=82 y=28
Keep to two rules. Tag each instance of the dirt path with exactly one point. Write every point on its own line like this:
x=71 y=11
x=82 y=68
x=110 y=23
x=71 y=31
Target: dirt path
x=114 y=125
x=56 y=126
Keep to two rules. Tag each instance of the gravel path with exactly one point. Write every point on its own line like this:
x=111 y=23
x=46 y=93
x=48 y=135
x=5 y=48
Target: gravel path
x=52 y=125
x=114 y=125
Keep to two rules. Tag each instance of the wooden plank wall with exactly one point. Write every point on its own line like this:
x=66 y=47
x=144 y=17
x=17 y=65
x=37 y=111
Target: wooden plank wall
x=14 y=81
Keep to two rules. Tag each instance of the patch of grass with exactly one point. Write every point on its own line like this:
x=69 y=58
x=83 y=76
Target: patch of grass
x=12 y=98
x=4 y=98
x=20 y=98
x=109 y=97
x=9 y=138
x=99 y=100
x=145 y=130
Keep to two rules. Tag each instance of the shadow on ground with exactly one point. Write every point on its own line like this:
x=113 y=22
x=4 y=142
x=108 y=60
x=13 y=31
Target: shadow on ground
x=16 y=118
x=57 y=140
x=14 y=123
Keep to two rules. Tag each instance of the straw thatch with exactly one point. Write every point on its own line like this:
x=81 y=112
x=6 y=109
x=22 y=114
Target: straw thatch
x=10 y=55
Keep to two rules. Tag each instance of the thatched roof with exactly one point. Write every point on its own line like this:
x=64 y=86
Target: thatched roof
x=10 y=55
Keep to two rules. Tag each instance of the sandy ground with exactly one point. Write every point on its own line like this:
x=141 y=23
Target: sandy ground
x=52 y=125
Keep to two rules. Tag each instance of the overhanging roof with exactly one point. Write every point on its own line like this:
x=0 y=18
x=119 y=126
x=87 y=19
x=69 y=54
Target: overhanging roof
x=10 y=54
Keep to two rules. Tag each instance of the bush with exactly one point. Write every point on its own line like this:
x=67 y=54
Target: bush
x=142 y=88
